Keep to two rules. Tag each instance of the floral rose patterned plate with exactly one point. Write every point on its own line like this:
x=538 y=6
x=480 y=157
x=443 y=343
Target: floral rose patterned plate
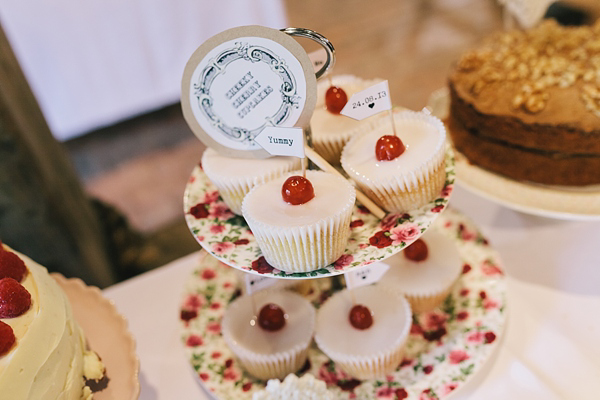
x=446 y=347
x=227 y=236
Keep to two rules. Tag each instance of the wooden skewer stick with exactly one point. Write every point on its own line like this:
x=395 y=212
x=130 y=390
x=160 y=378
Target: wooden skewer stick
x=393 y=123
x=360 y=196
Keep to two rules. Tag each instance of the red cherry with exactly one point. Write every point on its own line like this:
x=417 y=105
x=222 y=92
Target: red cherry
x=389 y=147
x=7 y=338
x=335 y=99
x=417 y=251
x=14 y=298
x=271 y=317
x=297 y=190
x=360 y=317
x=11 y=266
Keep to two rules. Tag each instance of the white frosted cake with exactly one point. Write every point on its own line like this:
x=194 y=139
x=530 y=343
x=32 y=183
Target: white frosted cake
x=330 y=131
x=302 y=237
x=234 y=177
x=410 y=180
x=426 y=283
x=264 y=353
x=369 y=352
x=49 y=354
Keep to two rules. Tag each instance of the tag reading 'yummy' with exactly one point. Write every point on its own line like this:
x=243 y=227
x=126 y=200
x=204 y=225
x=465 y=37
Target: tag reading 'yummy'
x=369 y=102
x=366 y=275
x=282 y=141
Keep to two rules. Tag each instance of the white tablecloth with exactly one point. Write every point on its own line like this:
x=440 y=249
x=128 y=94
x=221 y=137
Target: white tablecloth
x=549 y=351
x=92 y=63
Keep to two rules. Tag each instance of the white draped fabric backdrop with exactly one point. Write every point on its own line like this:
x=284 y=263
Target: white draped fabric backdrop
x=96 y=62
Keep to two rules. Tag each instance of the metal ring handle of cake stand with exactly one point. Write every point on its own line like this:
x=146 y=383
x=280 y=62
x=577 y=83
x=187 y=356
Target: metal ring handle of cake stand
x=322 y=40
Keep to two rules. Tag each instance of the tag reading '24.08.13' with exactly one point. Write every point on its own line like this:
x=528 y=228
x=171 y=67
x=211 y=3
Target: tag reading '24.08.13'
x=368 y=102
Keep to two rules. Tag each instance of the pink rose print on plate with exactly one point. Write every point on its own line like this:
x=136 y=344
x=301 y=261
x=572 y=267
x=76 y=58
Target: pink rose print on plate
x=433 y=320
x=389 y=221
x=213 y=327
x=437 y=209
x=447 y=190
x=404 y=233
x=208 y=274
x=475 y=337
x=385 y=393
x=343 y=261
x=194 y=341
x=489 y=304
x=449 y=387
x=457 y=356
x=220 y=210
x=428 y=394
x=211 y=197
x=216 y=229
x=490 y=269
x=193 y=302
x=221 y=248
x=231 y=374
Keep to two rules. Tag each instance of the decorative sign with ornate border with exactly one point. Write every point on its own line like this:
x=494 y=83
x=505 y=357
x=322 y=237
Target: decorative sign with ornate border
x=242 y=80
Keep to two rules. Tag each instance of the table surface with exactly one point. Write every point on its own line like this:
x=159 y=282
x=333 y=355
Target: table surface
x=549 y=350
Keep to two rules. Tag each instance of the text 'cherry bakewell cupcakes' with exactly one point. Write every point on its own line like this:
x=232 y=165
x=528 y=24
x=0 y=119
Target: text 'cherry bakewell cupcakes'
x=330 y=130
x=301 y=224
x=234 y=177
x=270 y=332
x=364 y=330
x=425 y=271
x=399 y=172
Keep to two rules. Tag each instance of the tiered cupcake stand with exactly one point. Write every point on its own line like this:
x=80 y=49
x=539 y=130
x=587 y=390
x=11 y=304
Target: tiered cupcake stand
x=446 y=348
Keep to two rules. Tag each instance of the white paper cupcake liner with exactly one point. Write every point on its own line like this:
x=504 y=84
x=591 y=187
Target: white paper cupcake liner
x=423 y=303
x=380 y=363
x=268 y=366
x=392 y=197
x=411 y=190
x=305 y=248
x=233 y=189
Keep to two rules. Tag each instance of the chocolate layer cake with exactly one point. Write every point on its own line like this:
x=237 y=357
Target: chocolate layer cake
x=526 y=104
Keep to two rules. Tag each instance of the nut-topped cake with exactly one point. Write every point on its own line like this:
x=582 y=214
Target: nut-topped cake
x=526 y=104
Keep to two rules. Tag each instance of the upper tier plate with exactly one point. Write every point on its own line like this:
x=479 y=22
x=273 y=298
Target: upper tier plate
x=561 y=202
x=227 y=237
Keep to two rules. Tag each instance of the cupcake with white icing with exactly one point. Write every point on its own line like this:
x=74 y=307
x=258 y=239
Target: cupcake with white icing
x=399 y=173
x=234 y=177
x=330 y=130
x=425 y=271
x=303 y=235
x=269 y=332
x=364 y=332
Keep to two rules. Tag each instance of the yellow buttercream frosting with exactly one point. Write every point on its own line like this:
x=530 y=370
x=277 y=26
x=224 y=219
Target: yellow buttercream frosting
x=47 y=361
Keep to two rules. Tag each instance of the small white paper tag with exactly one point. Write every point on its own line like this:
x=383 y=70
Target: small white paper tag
x=318 y=58
x=366 y=275
x=369 y=102
x=256 y=283
x=280 y=141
